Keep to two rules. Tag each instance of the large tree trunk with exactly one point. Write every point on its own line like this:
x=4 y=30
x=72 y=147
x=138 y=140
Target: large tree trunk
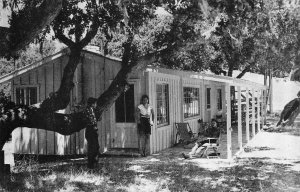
x=61 y=98
x=13 y=39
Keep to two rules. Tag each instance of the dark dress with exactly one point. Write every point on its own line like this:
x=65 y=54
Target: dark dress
x=145 y=126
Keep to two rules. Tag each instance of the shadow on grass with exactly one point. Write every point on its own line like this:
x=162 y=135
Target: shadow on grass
x=251 y=174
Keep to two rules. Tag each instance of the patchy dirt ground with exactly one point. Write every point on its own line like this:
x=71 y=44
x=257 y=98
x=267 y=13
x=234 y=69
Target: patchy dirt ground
x=270 y=162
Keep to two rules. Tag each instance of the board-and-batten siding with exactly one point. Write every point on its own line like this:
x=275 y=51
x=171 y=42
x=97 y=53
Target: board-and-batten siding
x=163 y=137
x=35 y=141
x=97 y=74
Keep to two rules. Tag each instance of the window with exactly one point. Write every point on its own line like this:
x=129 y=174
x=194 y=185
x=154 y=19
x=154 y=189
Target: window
x=124 y=106
x=207 y=98
x=191 y=102
x=219 y=99
x=162 y=100
x=26 y=95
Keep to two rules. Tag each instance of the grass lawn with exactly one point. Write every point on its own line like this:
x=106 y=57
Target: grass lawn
x=264 y=166
x=120 y=174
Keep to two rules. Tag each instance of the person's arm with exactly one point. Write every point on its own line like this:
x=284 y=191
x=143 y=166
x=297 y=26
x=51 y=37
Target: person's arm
x=137 y=115
x=152 y=113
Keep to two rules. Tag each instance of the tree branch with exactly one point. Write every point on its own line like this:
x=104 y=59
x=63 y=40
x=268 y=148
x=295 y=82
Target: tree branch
x=61 y=98
x=33 y=117
x=46 y=12
x=118 y=85
x=60 y=36
x=94 y=27
x=90 y=34
x=247 y=69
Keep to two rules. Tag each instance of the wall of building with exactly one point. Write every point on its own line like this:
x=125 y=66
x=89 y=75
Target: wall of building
x=163 y=137
x=92 y=77
x=97 y=74
x=47 y=79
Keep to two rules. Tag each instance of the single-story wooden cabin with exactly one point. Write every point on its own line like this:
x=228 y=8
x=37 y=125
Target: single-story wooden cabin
x=176 y=96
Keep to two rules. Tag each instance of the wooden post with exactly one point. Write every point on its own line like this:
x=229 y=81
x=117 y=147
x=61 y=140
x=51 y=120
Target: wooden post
x=271 y=91
x=258 y=110
x=240 y=138
x=253 y=113
x=247 y=115
x=265 y=106
x=228 y=102
x=203 y=96
x=263 y=114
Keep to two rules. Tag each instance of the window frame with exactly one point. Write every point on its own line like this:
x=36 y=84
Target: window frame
x=136 y=83
x=134 y=107
x=183 y=102
x=207 y=105
x=37 y=86
x=219 y=99
x=167 y=103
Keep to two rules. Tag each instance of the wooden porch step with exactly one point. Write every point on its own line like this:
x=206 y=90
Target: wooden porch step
x=122 y=152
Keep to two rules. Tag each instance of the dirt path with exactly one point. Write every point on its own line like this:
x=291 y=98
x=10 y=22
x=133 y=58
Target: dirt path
x=278 y=146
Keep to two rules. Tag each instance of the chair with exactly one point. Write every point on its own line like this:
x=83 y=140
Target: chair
x=184 y=133
x=212 y=146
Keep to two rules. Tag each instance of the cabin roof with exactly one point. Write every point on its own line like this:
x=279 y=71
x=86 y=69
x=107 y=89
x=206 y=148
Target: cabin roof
x=95 y=51
x=89 y=49
x=209 y=77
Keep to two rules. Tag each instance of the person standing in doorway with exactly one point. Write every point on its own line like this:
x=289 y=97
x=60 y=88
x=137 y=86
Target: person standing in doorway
x=91 y=132
x=145 y=118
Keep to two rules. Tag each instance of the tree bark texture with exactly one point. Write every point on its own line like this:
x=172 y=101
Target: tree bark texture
x=61 y=98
